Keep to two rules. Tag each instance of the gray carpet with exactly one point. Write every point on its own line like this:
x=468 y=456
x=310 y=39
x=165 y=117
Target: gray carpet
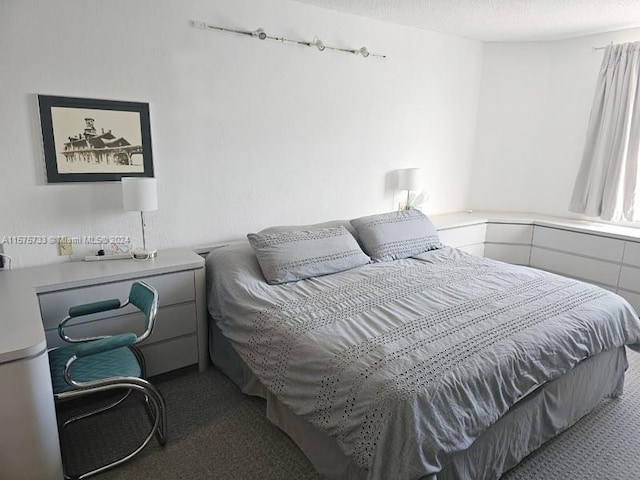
x=218 y=433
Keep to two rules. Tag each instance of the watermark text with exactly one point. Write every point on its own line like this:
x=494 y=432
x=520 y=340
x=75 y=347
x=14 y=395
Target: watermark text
x=55 y=239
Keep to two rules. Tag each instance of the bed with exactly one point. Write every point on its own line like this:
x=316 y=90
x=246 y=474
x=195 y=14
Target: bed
x=435 y=365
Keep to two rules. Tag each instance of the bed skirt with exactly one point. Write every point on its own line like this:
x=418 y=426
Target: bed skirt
x=541 y=415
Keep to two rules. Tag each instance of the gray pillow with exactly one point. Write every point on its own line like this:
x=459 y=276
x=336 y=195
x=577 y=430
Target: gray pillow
x=395 y=235
x=315 y=226
x=288 y=256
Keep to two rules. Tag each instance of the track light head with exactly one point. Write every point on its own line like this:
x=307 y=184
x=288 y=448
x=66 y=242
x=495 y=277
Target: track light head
x=260 y=33
x=318 y=44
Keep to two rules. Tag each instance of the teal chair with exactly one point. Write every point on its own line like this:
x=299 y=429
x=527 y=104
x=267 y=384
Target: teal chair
x=100 y=364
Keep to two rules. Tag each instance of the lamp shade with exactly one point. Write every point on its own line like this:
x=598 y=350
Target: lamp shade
x=409 y=179
x=139 y=194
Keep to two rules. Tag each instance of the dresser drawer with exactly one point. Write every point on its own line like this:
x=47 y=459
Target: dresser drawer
x=172 y=288
x=165 y=356
x=515 y=254
x=462 y=236
x=509 y=233
x=595 y=271
x=579 y=243
x=171 y=321
x=631 y=254
x=629 y=278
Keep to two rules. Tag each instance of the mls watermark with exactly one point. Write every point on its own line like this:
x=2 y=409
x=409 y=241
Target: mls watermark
x=65 y=239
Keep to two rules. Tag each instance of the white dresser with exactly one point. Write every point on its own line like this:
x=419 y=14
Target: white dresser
x=608 y=261
x=598 y=253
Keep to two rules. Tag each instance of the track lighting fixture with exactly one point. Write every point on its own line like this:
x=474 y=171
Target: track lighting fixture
x=262 y=35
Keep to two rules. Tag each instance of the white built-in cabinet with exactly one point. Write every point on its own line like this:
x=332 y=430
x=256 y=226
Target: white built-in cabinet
x=611 y=263
x=596 y=257
x=174 y=341
x=180 y=334
x=469 y=238
x=509 y=243
x=584 y=256
x=35 y=299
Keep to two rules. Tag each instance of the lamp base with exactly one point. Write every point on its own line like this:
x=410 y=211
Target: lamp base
x=144 y=254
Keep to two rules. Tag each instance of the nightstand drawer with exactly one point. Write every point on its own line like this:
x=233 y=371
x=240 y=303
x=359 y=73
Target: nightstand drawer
x=172 y=288
x=171 y=321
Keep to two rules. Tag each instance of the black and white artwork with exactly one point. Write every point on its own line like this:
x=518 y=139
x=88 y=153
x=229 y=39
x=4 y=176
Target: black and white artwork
x=87 y=140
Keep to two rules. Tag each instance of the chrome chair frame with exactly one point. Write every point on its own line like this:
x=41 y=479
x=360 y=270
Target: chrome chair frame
x=154 y=402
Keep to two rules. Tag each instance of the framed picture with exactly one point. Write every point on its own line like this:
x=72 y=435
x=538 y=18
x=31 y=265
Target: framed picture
x=87 y=140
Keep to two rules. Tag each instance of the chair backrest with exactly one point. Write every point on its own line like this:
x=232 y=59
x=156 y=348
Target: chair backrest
x=145 y=297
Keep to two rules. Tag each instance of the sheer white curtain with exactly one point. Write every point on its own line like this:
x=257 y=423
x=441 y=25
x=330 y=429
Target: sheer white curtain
x=607 y=185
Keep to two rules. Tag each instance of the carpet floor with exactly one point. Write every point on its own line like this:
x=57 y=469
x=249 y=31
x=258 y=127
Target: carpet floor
x=216 y=432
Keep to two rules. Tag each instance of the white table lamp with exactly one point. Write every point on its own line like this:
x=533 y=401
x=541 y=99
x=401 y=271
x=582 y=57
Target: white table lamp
x=409 y=179
x=140 y=194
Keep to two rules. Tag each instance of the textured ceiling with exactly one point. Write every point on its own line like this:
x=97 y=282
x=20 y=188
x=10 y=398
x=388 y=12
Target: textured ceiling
x=499 y=20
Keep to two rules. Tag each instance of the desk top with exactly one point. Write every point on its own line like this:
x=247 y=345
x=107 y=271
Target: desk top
x=22 y=330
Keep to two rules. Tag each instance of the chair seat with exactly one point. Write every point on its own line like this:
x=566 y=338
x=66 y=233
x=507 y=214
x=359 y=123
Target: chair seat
x=120 y=362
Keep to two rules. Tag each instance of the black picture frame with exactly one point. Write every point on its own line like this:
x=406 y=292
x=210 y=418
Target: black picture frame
x=77 y=148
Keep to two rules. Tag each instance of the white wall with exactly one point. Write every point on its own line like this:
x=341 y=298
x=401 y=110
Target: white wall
x=534 y=108
x=246 y=133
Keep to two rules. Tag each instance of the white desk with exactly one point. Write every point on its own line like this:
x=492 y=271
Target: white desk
x=29 y=446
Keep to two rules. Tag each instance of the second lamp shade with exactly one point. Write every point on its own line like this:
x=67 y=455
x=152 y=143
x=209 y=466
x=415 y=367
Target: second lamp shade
x=409 y=179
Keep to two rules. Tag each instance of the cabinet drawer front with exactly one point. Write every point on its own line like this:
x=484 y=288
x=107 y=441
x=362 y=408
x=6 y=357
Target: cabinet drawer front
x=515 y=254
x=632 y=254
x=462 y=236
x=172 y=288
x=172 y=321
x=630 y=278
x=509 y=233
x=579 y=243
x=165 y=356
x=595 y=271
x=477 y=249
